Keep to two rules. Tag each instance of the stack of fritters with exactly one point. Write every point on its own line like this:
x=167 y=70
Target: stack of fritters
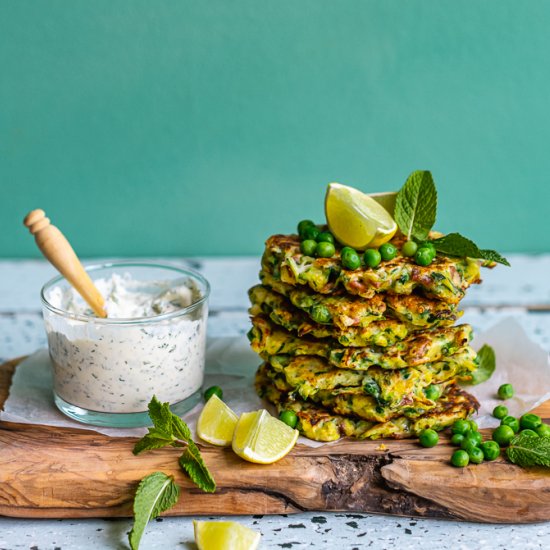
x=365 y=353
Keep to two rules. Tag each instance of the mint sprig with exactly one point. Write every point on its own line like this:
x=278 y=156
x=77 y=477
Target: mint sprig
x=454 y=244
x=527 y=450
x=416 y=205
x=487 y=364
x=155 y=494
x=415 y=212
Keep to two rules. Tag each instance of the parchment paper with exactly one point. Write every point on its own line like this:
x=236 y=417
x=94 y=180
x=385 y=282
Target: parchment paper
x=231 y=364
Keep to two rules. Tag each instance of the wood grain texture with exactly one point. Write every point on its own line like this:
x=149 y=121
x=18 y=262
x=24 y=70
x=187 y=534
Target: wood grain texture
x=48 y=472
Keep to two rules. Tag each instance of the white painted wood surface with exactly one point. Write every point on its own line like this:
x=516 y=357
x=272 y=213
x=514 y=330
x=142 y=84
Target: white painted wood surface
x=526 y=284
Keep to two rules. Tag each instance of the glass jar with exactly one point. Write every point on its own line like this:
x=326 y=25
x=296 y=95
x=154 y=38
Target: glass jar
x=105 y=371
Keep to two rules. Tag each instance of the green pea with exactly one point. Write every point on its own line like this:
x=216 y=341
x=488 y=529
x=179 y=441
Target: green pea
x=476 y=455
x=543 y=430
x=308 y=247
x=372 y=257
x=530 y=421
x=289 y=418
x=428 y=438
x=350 y=258
x=432 y=392
x=388 y=251
x=471 y=439
x=500 y=411
x=529 y=432
x=460 y=459
x=429 y=245
x=511 y=421
x=213 y=390
x=457 y=439
x=491 y=450
x=503 y=435
x=302 y=226
x=506 y=391
x=325 y=237
x=311 y=232
x=473 y=425
x=409 y=249
x=325 y=250
x=461 y=427
x=321 y=314
x=424 y=256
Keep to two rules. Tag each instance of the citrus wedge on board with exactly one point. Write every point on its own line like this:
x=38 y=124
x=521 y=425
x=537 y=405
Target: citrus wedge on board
x=356 y=219
x=216 y=423
x=224 y=535
x=262 y=438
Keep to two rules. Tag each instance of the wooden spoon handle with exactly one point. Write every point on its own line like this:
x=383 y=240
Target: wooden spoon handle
x=59 y=252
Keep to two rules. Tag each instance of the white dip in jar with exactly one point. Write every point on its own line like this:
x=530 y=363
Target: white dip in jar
x=152 y=342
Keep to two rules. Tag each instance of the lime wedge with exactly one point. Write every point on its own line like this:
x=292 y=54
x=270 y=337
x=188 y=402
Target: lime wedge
x=387 y=200
x=216 y=423
x=224 y=535
x=356 y=219
x=262 y=438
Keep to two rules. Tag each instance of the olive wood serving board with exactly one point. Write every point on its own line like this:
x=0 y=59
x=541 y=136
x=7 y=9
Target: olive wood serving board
x=50 y=472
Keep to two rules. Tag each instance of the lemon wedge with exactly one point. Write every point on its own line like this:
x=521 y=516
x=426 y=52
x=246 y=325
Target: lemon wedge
x=356 y=219
x=262 y=438
x=224 y=535
x=216 y=423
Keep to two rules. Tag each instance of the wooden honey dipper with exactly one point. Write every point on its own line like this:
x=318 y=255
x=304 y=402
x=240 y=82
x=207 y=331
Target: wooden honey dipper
x=57 y=250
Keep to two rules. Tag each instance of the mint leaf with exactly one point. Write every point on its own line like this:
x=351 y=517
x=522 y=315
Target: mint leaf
x=181 y=429
x=155 y=494
x=487 y=363
x=155 y=439
x=161 y=415
x=416 y=205
x=191 y=462
x=454 y=244
x=525 y=450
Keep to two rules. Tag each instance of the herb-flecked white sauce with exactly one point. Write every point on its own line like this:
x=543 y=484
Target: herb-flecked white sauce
x=117 y=368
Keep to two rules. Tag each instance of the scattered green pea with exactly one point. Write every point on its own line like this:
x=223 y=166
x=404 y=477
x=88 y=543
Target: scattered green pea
x=530 y=421
x=302 y=226
x=457 y=439
x=289 y=418
x=350 y=258
x=503 y=435
x=311 y=232
x=476 y=455
x=500 y=411
x=460 y=459
x=511 y=421
x=473 y=426
x=491 y=450
x=387 y=251
x=543 y=430
x=529 y=432
x=308 y=247
x=461 y=427
x=471 y=439
x=325 y=237
x=424 y=256
x=429 y=245
x=325 y=250
x=372 y=257
x=213 y=390
x=506 y=391
x=428 y=438
x=409 y=249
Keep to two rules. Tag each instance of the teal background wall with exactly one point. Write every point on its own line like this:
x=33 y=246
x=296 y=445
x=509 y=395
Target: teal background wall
x=170 y=127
